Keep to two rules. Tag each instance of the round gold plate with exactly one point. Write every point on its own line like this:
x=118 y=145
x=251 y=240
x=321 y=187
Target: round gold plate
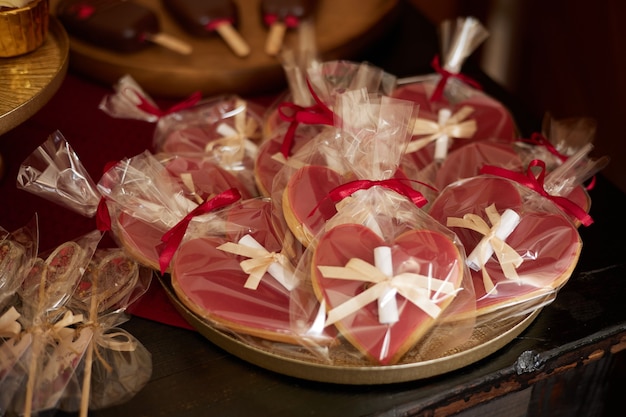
x=29 y=81
x=343 y=29
x=485 y=341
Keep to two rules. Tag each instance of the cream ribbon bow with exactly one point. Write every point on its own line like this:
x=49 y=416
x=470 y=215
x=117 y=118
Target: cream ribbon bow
x=454 y=126
x=493 y=241
x=416 y=288
x=233 y=141
x=260 y=262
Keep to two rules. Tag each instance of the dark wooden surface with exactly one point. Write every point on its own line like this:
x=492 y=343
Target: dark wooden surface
x=571 y=351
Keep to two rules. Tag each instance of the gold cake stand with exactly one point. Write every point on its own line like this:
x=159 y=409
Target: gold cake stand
x=485 y=340
x=29 y=81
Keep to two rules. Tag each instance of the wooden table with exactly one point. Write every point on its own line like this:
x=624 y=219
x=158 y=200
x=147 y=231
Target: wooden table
x=569 y=361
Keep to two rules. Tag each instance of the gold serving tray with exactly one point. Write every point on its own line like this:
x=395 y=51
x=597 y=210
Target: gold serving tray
x=343 y=29
x=484 y=341
x=29 y=81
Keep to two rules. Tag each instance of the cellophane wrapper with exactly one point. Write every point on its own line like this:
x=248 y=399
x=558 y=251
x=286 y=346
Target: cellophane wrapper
x=240 y=279
x=322 y=82
x=18 y=251
x=379 y=251
x=54 y=172
x=116 y=366
x=462 y=113
x=125 y=102
x=144 y=201
x=225 y=129
x=521 y=247
x=55 y=347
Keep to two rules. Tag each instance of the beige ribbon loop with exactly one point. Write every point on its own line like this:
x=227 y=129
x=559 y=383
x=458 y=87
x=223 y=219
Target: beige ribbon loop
x=455 y=127
x=260 y=262
x=508 y=258
x=414 y=287
x=9 y=326
x=119 y=341
x=234 y=139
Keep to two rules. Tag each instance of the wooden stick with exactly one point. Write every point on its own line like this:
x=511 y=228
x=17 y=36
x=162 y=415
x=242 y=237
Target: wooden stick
x=275 y=37
x=171 y=43
x=233 y=39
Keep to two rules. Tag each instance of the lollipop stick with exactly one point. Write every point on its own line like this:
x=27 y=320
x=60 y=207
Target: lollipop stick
x=274 y=41
x=234 y=40
x=170 y=42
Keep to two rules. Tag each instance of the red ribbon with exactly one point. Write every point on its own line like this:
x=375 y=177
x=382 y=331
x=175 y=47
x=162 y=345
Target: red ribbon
x=212 y=25
x=103 y=217
x=445 y=75
x=289 y=20
x=174 y=236
x=536 y=183
x=317 y=114
x=147 y=107
x=540 y=140
x=400 y=186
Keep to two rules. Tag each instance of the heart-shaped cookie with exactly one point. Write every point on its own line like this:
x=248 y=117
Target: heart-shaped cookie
x=535 y=257
x=209 y=275
x=305 y=203
x=416 y=262
x=492 y=119
x=192 y=177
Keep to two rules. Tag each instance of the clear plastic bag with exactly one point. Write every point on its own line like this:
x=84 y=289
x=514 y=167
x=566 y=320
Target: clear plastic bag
x=521 y=247
x=453 y=110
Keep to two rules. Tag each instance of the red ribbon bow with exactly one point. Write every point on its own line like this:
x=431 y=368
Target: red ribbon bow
x=536 y=183
x=289 y=20
x=146 y=106
x=398 y=185
x=540 y=140
x=317 y=114
x=174 y=236
x=445 y=75
x=103 y=218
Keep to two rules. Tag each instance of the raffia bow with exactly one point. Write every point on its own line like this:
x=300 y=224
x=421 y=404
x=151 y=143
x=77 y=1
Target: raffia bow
x=261 y=261
x=416 y=288
x=456 y=126
x=508 y=258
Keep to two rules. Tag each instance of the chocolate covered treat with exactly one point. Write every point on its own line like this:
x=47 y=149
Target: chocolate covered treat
x=119 y=25
x=204 y=18
x=280 y=15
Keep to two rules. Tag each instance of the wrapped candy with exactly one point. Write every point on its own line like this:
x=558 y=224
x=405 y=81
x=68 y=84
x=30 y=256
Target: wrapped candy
x=453 y=111
x=55 y=348
x=18 y=250
x=111 y=282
